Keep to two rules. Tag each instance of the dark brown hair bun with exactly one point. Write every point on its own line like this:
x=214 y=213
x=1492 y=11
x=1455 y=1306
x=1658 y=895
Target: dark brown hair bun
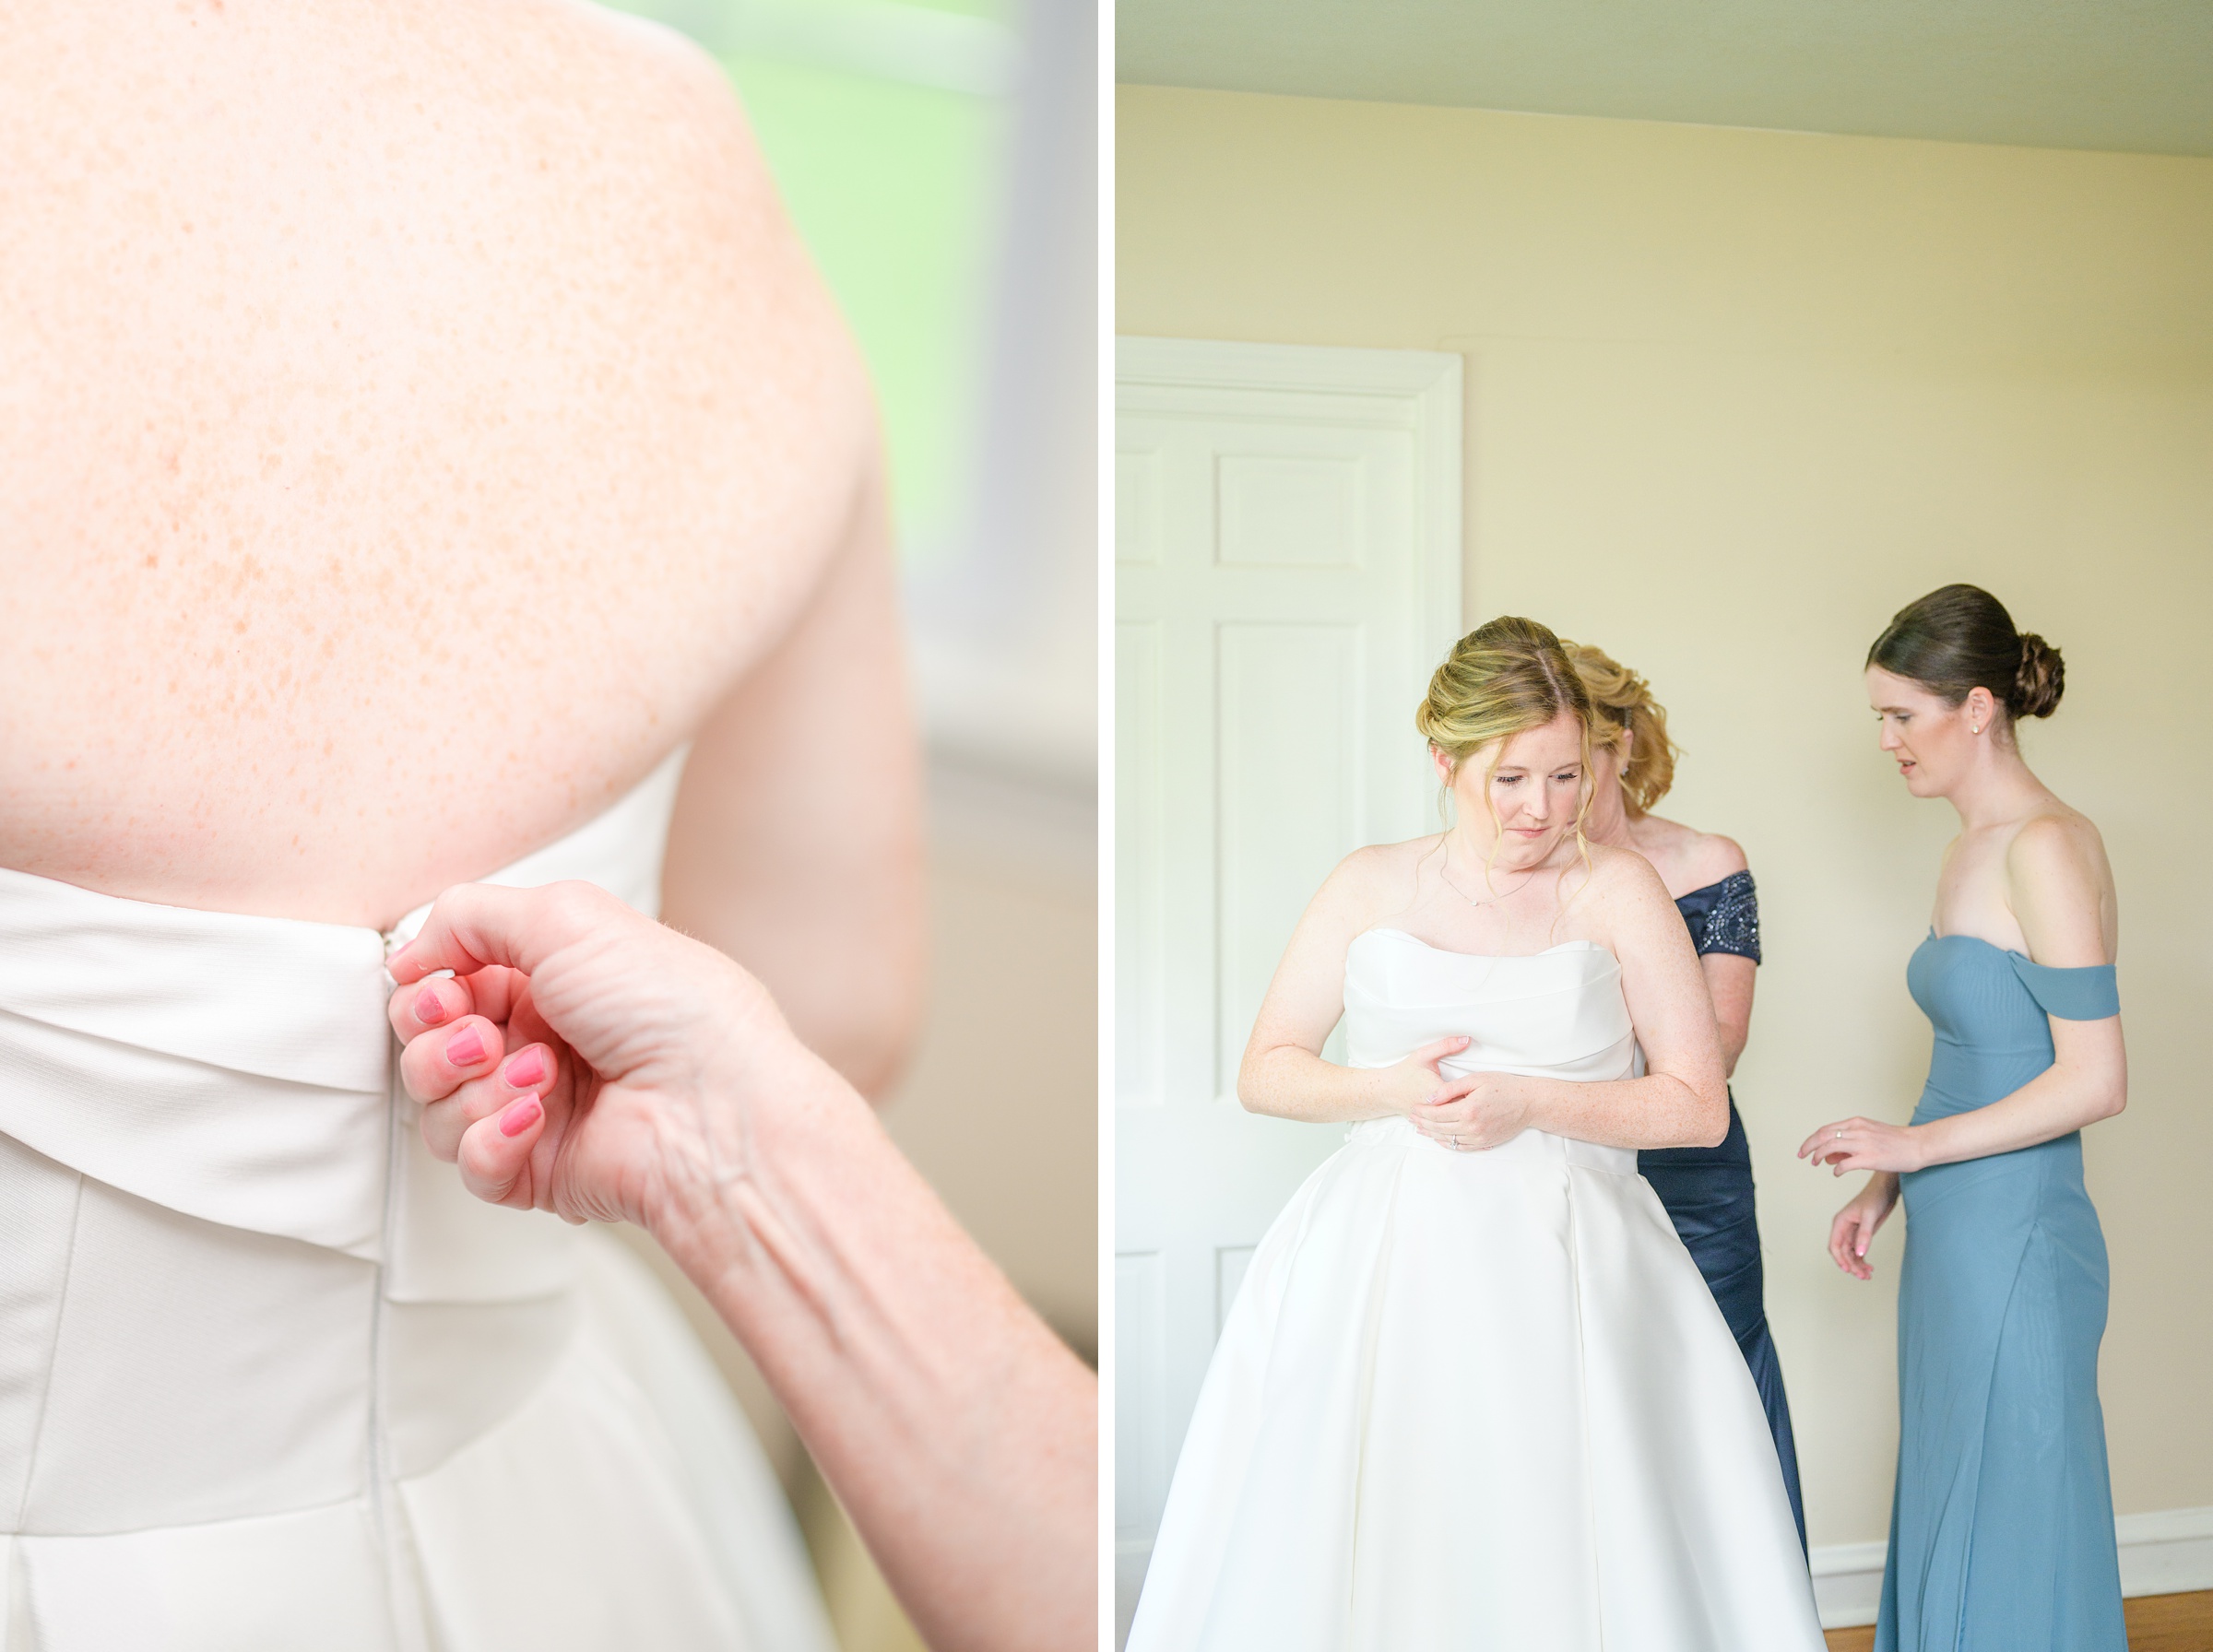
x=1959 y=638
x=2039 y=679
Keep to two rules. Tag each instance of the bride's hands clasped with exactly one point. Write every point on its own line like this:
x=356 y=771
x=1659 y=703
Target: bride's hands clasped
x=1471 y=1113
x=1467 y=1113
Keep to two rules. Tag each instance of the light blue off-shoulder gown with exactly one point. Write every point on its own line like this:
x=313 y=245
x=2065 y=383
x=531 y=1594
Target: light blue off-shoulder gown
x=2002 y=1525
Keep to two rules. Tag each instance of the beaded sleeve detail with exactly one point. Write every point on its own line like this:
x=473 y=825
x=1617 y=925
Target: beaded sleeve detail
x=1724 y=917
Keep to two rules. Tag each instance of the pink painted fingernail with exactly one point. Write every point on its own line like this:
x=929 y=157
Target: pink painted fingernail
x=527 y=1068
x=429 y=1009
x=466 y=1048
x=520 y=1115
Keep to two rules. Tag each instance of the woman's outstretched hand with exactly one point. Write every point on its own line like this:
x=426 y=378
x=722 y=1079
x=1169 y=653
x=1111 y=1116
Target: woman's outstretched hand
x=565 y=1066
x=1847 y=1144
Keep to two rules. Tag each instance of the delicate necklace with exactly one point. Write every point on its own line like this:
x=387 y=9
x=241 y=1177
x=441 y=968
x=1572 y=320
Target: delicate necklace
x=1445 y=873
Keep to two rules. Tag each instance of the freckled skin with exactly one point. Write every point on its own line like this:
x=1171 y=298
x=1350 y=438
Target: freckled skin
x=416 y=418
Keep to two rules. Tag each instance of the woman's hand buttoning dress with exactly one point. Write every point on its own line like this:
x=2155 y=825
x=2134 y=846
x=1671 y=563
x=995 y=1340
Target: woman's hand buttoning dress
x=1472 y=1391
x=2002 y=1521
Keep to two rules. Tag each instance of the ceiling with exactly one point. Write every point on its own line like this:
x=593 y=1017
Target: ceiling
x=2132 y=75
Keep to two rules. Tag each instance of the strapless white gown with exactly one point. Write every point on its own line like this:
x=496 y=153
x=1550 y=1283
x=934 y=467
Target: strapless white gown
x=270 y=1380
x=1476 y=1400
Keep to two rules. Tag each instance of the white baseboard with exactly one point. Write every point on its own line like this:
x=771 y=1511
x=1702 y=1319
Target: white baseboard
x=2163 y=1553
x=1848 y=1583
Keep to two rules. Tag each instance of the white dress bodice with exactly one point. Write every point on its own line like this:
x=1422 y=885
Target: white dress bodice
x=252 y=1333
x=1556 y=1014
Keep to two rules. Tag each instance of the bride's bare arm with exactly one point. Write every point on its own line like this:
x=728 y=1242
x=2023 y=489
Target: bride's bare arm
x=1683 y=1099
x=796 y=843
x=1283 y=1072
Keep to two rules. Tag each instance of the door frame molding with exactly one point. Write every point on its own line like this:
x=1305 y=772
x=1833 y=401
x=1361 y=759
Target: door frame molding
x=1419 y=393
x=1423 y=391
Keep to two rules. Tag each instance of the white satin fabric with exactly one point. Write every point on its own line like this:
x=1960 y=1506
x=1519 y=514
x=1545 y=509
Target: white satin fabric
x=270 y=1379
x=1470 y=1400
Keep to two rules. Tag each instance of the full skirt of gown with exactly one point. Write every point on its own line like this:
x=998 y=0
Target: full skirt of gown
x=1474 y=1400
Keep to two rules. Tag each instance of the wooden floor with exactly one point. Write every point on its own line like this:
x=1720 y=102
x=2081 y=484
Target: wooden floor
x=2156 y=1623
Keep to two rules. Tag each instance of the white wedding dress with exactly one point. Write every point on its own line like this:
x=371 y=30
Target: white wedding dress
x=1467 y=1401
x=270 y=1380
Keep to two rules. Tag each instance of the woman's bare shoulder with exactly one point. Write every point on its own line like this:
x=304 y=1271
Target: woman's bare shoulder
x=2057 y=849
x=544 y=390
x=1688 y=858
x=1626 y=891
x=1378 y=872
x=1624 y=871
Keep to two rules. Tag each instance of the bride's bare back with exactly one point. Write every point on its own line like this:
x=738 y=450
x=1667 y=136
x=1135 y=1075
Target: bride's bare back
x=416 y=418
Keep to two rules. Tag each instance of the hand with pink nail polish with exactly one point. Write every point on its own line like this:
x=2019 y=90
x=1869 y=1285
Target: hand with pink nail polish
x=558 y=1062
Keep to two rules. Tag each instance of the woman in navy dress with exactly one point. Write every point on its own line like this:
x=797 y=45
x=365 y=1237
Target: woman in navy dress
x=2002 y=1522
x=1707 y=1190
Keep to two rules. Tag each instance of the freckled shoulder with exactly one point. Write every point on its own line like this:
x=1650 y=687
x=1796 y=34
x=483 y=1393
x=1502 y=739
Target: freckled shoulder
x=457 y=417
x=1380 y=878
x=1622 y=879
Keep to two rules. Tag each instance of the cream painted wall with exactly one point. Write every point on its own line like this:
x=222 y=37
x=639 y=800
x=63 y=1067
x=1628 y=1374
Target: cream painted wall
x=1735 y=398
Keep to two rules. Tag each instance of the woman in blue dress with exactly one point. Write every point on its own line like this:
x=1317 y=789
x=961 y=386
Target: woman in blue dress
x=2002 y=1522
x=1707 y=1190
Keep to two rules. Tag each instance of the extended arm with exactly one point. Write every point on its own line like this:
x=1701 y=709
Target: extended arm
x=2054 y=885
x=796 y=843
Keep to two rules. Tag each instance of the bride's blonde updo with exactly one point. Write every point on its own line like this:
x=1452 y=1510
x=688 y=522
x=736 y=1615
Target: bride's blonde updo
x=1624 y=703
x=1503 y=678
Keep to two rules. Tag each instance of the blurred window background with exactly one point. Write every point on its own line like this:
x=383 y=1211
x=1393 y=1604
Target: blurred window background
x=940 y=159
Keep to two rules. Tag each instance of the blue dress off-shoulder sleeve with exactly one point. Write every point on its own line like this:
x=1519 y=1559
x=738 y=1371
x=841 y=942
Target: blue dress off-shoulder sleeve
x=2088 y=994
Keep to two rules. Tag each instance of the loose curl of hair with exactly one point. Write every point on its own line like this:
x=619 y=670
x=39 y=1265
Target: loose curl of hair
x=1959 y=639
x=1623 y=704
x=1505 y=678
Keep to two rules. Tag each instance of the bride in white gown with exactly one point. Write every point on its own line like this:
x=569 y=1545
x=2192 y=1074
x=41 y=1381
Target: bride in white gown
x=1472 y=1393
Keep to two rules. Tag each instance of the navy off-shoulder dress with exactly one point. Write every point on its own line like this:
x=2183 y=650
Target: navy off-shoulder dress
x=1708 y=1190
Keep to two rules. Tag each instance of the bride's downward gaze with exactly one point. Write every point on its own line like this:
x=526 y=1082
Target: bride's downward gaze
x=1474 y=1391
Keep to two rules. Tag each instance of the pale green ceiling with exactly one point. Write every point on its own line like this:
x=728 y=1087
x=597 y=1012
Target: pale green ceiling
x=2134 y=75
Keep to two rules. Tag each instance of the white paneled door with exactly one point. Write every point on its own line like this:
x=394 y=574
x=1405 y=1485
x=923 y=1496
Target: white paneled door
x=1287 y=549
